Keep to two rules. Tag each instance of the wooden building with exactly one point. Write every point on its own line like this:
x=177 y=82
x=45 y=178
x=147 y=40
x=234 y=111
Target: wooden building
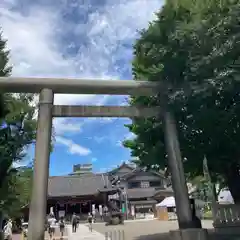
x=144 y=188
x=79 y=193
x=76 y=194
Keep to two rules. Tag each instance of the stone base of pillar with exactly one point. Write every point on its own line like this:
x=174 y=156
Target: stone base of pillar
x=189 y=234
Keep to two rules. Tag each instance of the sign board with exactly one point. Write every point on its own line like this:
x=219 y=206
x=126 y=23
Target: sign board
x=100 y=210
x=93 y=209
x=114 y=196
x=61 y=213
x=143 y=206
x=132 y=210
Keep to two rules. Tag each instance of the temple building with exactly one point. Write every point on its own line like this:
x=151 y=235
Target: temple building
x=84 y=191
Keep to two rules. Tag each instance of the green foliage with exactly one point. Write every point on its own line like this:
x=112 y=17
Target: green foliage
x=5 y=70
x=208 y=215
x=203 y=189
x=16 y=191
x=193 y=50
x=17 y=132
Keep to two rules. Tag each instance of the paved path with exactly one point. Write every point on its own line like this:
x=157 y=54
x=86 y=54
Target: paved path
x=83 y=233
x=16 y=237
x=145 y=230
x=57 y=234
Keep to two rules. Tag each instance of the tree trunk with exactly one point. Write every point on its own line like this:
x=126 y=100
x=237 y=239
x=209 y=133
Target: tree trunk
x=233 y=180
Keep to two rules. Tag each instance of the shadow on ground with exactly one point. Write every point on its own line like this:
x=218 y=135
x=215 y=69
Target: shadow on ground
x=156 y=236
x=165 y=236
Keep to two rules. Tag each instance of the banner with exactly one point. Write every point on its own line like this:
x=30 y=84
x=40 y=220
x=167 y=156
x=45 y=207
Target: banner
x=100 y=210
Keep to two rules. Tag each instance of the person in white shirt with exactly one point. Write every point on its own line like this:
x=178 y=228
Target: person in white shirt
x=52 y=225
x=7 y=230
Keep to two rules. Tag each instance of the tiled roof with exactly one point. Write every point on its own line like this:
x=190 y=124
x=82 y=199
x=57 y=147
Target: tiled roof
x=140 y=193
x=167 y=190
x=120 y=167
x=76 y=185
x=137 y=170
x=144 y=202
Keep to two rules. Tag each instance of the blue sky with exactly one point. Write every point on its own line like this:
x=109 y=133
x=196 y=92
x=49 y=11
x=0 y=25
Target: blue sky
x=83 y=39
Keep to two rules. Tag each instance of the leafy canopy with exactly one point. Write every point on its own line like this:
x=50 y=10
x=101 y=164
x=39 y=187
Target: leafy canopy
x=192 y=49
x=17 y=132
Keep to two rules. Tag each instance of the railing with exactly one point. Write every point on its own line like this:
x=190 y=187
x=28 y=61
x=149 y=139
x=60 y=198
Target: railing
x=227 y=216
x=115 y=235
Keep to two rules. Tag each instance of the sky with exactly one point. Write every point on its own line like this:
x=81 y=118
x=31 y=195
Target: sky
x=78 y=39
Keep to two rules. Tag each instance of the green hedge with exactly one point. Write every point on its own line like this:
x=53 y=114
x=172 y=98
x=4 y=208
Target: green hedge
x=207 y=215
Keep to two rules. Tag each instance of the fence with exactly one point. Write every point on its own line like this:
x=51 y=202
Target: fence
x=227 y=217
x=115 y=235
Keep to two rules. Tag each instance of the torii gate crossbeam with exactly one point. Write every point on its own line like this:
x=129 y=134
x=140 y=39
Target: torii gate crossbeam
x=47 y=87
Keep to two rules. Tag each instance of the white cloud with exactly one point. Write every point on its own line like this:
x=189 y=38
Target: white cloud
x=36 y=50
x=35 y=38
x=63 y=125
x=73 y=148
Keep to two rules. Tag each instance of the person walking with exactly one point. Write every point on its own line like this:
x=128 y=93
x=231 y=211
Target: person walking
x=62 y=226
x=90 y=221
x=51 y=226
x=7 y=230
x=74 y=222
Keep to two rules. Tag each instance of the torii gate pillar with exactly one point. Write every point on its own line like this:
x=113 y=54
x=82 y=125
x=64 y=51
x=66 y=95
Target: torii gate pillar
x=41 y=166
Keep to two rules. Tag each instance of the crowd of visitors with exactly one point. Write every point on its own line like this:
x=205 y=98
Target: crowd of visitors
x=51 y=225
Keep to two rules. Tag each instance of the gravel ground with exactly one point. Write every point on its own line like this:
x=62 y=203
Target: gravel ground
x=153 y=230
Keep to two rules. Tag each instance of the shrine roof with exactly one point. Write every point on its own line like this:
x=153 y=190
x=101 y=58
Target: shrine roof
x=84 y=185
x=136 y=193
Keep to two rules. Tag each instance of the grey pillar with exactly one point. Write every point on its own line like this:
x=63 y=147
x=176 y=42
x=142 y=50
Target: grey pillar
x=38 y=204
x=189 y=234
x=177 y=172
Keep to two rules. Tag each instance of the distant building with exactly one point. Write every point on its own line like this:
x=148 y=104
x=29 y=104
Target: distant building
x=79 y=169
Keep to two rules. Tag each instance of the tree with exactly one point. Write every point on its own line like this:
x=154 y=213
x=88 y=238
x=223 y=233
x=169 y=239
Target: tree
x=16 y=192
x=17 y=132
x=25 y=176
x=5 y=70
x=193 y=50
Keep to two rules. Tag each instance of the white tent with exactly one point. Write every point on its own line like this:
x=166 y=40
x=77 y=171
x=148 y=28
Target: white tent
x=167 y=202
x=170 y=202
x=225 y=197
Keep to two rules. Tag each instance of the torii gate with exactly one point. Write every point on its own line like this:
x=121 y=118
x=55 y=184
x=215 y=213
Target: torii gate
x=47 y=87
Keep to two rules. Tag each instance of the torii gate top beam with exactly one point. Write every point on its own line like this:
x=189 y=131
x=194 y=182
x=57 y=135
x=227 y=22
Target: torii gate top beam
x=78 y=86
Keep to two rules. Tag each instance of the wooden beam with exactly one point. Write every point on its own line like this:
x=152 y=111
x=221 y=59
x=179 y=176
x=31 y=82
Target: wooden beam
x=79 y=86
x=104 y=111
